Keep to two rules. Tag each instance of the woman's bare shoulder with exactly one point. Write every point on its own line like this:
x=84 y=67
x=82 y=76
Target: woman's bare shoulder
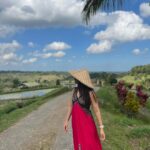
x=93 y=96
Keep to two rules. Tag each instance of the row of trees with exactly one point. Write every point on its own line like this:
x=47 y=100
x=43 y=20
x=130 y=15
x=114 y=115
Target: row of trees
x=108 y=78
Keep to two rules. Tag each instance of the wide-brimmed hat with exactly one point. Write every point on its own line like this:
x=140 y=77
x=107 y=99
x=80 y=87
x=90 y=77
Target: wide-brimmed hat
x=83 y=76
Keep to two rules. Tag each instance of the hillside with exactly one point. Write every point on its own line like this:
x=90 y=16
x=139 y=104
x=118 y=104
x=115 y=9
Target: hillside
x=145 y=69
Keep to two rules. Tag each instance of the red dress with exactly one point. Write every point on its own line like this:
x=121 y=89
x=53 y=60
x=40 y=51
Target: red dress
x=85 y=135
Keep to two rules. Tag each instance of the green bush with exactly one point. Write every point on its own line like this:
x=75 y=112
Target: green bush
x=132 y=104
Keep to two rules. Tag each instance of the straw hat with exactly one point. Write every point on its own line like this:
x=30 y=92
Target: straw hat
x=83 y=76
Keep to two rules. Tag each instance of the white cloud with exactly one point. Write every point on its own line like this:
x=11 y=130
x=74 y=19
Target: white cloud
x=10 y=56
x=136 y=51
x=126 y=27
x=26 y=14
x=46 y=55
x=8 y=53
x=145 y=9
x=39 y=54
x=29 y=61
x=6 y=47
x=6 y=30
x=59 y=54
x=101 y=47
x=31 y=44
x=56 y=46
x=46 y=13
x=56 y=54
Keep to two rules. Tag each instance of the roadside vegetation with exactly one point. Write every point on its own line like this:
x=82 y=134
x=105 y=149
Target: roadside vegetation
x=122 y=132
x=12 y=111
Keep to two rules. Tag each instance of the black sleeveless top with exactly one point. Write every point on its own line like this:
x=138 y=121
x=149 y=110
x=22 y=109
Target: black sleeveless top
x=81 y=101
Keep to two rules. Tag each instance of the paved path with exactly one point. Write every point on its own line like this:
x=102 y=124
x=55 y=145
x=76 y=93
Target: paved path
x=42 y=129
x=63 y=140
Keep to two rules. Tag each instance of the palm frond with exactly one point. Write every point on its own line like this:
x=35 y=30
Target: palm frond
x=92 y=6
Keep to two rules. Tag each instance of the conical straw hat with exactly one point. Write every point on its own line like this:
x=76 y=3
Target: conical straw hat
x=83 y=76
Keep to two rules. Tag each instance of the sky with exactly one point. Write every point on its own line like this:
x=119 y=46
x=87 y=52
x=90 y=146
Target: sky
x=50 y=35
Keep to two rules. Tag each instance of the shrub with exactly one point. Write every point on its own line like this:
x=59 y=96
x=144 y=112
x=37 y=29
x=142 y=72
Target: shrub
x=132 y=104
x=130 y=101
x=20 y=104
x=142 y=96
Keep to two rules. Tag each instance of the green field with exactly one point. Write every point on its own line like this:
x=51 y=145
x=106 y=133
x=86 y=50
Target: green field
x=34 y=80
x=31 y=76
x=122 y=133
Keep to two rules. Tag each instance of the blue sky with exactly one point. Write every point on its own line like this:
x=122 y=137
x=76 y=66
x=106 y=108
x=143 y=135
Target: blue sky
x=39 y=36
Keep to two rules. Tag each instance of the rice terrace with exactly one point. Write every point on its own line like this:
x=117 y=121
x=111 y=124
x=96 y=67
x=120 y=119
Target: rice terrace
x=75 y=75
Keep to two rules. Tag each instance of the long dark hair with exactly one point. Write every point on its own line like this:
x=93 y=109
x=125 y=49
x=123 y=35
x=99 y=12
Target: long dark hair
x=83 y=90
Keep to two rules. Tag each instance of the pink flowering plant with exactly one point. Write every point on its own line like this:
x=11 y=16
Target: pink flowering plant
x=130 y=99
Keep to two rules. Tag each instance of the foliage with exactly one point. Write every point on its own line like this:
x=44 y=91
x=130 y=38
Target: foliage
x=145 y=69
x=16 y=82
x=57 y=82
x=107 y=98
x=131 y=105
x=142 y=96
x=130 y=100
x=112 y=81
x=130 y=133
x=92 y=6
x=109 y=78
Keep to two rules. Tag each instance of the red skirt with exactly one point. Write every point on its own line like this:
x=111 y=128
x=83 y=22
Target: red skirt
x=85 y=135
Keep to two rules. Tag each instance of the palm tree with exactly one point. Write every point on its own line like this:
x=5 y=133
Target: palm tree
x=92 y=6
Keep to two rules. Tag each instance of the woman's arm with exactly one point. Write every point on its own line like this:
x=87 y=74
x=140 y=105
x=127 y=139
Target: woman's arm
x=69 y=108
x=95 y=107
x=97 y=112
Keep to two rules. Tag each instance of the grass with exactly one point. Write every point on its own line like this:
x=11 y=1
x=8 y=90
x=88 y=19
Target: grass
x=12 y=111
x=140 y=131
x=148 y=104
x=122 y=133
